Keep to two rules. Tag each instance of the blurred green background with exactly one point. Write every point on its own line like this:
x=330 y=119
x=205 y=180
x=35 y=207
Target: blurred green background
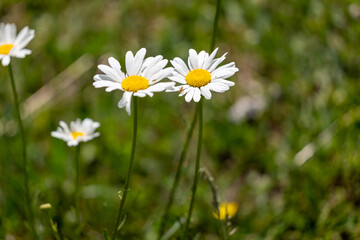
x=282 y=143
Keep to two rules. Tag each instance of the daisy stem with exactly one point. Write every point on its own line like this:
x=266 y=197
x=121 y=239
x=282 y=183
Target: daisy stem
x=197 y=166
x=178 y=173
x=216 y=19
x=77 y=213
x=24 y=155
x=127 y=181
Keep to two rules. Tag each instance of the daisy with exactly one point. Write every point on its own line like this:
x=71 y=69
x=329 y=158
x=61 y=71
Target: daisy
x=79 y=131
x=202 y=75
x=142 y=77
x=12 y=45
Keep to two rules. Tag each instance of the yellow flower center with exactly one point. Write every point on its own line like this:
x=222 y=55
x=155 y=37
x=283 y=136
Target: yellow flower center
x=227 y=210
x=198 y=77
x=5 y=48
x=75 y=135
x=134 y=83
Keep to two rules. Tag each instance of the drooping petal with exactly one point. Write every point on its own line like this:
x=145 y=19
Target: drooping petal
x=5 y=61
x=197 y=95
x=189 y=95
x=205 y=92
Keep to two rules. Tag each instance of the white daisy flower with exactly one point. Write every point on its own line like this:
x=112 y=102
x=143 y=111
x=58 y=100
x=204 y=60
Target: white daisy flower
x=142 y=77
x=202 y=75
x=12 y=45
x=79 y=131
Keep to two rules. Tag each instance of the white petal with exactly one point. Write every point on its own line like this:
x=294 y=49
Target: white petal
x=21 y=43
x=217 y=87
x=64 y=126
x=165 y=73
x=189 y=95
x=180 y=66
x=20 y=53
x=224 y=71
x=110 y=72
x=223 y=81
x=22 y=34
x=126 y=102
x=116 y=66
x=129 y=63
x=184 y=90
x=205 y=92
x=5 y=61
x=138 y=61
x=197 y=95
x=193 y=59
x=124 y=99
x=209 y=60
x=159 y=87
x=216 y=63
x=201 y=59
x=109 y=84
x=72 y=143
x=180 y=80
x=140 y=93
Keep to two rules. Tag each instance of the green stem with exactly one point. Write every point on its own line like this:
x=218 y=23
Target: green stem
x=178 y=174
x=24 y=155
x=77 y=211
x=53 y=228
x=197 y=166
x=127 y=182
x=209 y=178
x=216 y=19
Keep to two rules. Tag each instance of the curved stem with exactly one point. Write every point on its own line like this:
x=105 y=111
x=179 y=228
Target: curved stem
x=197 y=166
x=210 y=181
x=216 y=19
x=77 y=211
x=127 y=182
x=178 y=173
x=24 y=155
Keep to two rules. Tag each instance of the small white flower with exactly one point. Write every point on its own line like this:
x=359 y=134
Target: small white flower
x=142 y=77
x=202 y=75
x=12 y=45
x=79 y=131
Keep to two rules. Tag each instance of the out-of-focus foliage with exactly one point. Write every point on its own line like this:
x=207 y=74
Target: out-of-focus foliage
x=283 y=143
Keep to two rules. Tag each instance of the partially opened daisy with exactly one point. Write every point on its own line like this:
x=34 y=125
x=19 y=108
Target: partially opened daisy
x=12 y=45
x=79 y=131
x=141 y=79
x=202 y=75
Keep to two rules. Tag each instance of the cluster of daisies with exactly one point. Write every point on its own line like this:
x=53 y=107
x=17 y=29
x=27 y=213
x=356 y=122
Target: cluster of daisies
x=143 y=76
x=194 y=80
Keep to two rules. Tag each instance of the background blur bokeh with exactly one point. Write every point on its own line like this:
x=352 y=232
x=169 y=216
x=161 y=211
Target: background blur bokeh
x=282 y=143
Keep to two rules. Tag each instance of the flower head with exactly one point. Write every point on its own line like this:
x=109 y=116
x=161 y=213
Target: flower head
x=141 y=79
x=202 y=75
x=79 y=131
x=227 y=210
x=12 y=45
